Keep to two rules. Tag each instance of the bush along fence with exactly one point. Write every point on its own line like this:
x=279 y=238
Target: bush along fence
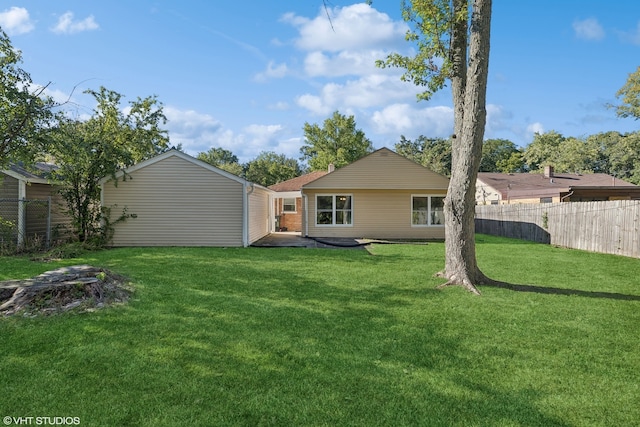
x=607 y=227
x=26 y=225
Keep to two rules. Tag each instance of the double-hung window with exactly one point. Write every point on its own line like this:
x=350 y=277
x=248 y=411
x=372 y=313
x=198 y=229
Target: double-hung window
x=289 y=204
x=334 y=209
x=427 y=210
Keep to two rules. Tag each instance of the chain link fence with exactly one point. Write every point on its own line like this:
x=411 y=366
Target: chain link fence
x=25 y=225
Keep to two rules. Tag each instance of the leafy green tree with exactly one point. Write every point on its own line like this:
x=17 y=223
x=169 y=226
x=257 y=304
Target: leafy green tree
x=621 y=153
x=565 y=154
x=500 y=155
x=433 y=153
x=514 y=163
x=223 y=159
x=24 y=109
x=337 y=142
x=578 y=155
x=270 y=168
x=106 y=143
x=543 y=150
x=452 y=40
x=630 y=97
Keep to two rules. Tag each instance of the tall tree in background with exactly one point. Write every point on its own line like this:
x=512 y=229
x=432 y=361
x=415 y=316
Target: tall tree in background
x=433 y=153
x=630 y=96
x=542 y=151
x=620 y=154
x=453 y=40
x=500 y=155
x=223 y=159
x=106 y=143
x=337 y=142
x=270 y=168
x=565 y=154
x=24 y=109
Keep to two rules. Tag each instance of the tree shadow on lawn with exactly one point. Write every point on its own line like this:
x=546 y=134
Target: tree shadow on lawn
x=343 y=352
x=563 y=291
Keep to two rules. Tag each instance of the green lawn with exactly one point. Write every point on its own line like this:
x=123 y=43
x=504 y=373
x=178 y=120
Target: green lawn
x=316 y=337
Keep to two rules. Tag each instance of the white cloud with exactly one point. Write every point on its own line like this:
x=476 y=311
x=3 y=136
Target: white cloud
x=273 y=71
x=15 y=20
x=279 y=106
x=195 y=131
x=588 y=29
x=198 y=132
x=497 y=120
x=66 y=24
x=342 y=63
x=372 y=90
x=536 y=127
x=253 y=140
x=632 y=37
x=350 y=28
x=404 y=119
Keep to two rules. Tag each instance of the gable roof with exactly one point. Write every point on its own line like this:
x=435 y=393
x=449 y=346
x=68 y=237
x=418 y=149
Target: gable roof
x=536 y=184
x=381 y=170
x=184 y=156
x=295 y=184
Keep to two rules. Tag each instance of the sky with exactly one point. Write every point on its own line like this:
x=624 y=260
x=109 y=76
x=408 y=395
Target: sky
x=247 y=75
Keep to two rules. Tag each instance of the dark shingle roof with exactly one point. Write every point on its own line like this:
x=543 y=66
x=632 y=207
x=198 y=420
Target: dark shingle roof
x=522 y=183
x=295 y=184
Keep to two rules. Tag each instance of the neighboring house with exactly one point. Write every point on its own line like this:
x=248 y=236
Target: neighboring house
x=550 y=187
x=31 y=204
x=288 y=201
x=178 y=200
x=382 y=195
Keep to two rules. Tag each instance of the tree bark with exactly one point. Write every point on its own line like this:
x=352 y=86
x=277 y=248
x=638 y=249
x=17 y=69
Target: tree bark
x=469 y=86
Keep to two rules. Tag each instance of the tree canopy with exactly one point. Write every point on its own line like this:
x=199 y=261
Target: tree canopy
x=433 y=153
x=270 y=168
x=109 y=141
x=630 y=97
x=24 y=109
x=223 y=159
x=337 y=142
x=500 y=155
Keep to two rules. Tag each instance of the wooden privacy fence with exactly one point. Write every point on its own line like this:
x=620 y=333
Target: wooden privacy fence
x=606 y=227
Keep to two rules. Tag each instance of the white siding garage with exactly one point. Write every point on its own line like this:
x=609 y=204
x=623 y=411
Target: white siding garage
x=178 y=200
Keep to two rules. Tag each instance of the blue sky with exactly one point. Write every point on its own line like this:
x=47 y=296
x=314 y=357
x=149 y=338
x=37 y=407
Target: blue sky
x=246 y=76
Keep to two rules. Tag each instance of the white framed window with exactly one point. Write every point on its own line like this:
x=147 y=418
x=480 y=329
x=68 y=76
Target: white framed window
x=334 y=209
x=427 y=210
x=289 y=204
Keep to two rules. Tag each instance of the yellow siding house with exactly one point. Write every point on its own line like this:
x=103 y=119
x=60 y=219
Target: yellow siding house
x=383 y=196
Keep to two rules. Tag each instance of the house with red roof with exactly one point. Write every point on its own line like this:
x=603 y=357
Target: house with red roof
x=288 y=200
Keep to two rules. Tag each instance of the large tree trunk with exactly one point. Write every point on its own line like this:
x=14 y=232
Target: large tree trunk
x=469 y=86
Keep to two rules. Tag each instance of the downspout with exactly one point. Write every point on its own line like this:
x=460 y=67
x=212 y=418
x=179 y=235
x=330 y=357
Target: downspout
x=22 y=223
x=245 y=211
x=305 y=216
x=565 y=196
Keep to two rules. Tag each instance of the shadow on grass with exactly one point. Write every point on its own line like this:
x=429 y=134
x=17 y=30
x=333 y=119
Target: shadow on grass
x=562 y=291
